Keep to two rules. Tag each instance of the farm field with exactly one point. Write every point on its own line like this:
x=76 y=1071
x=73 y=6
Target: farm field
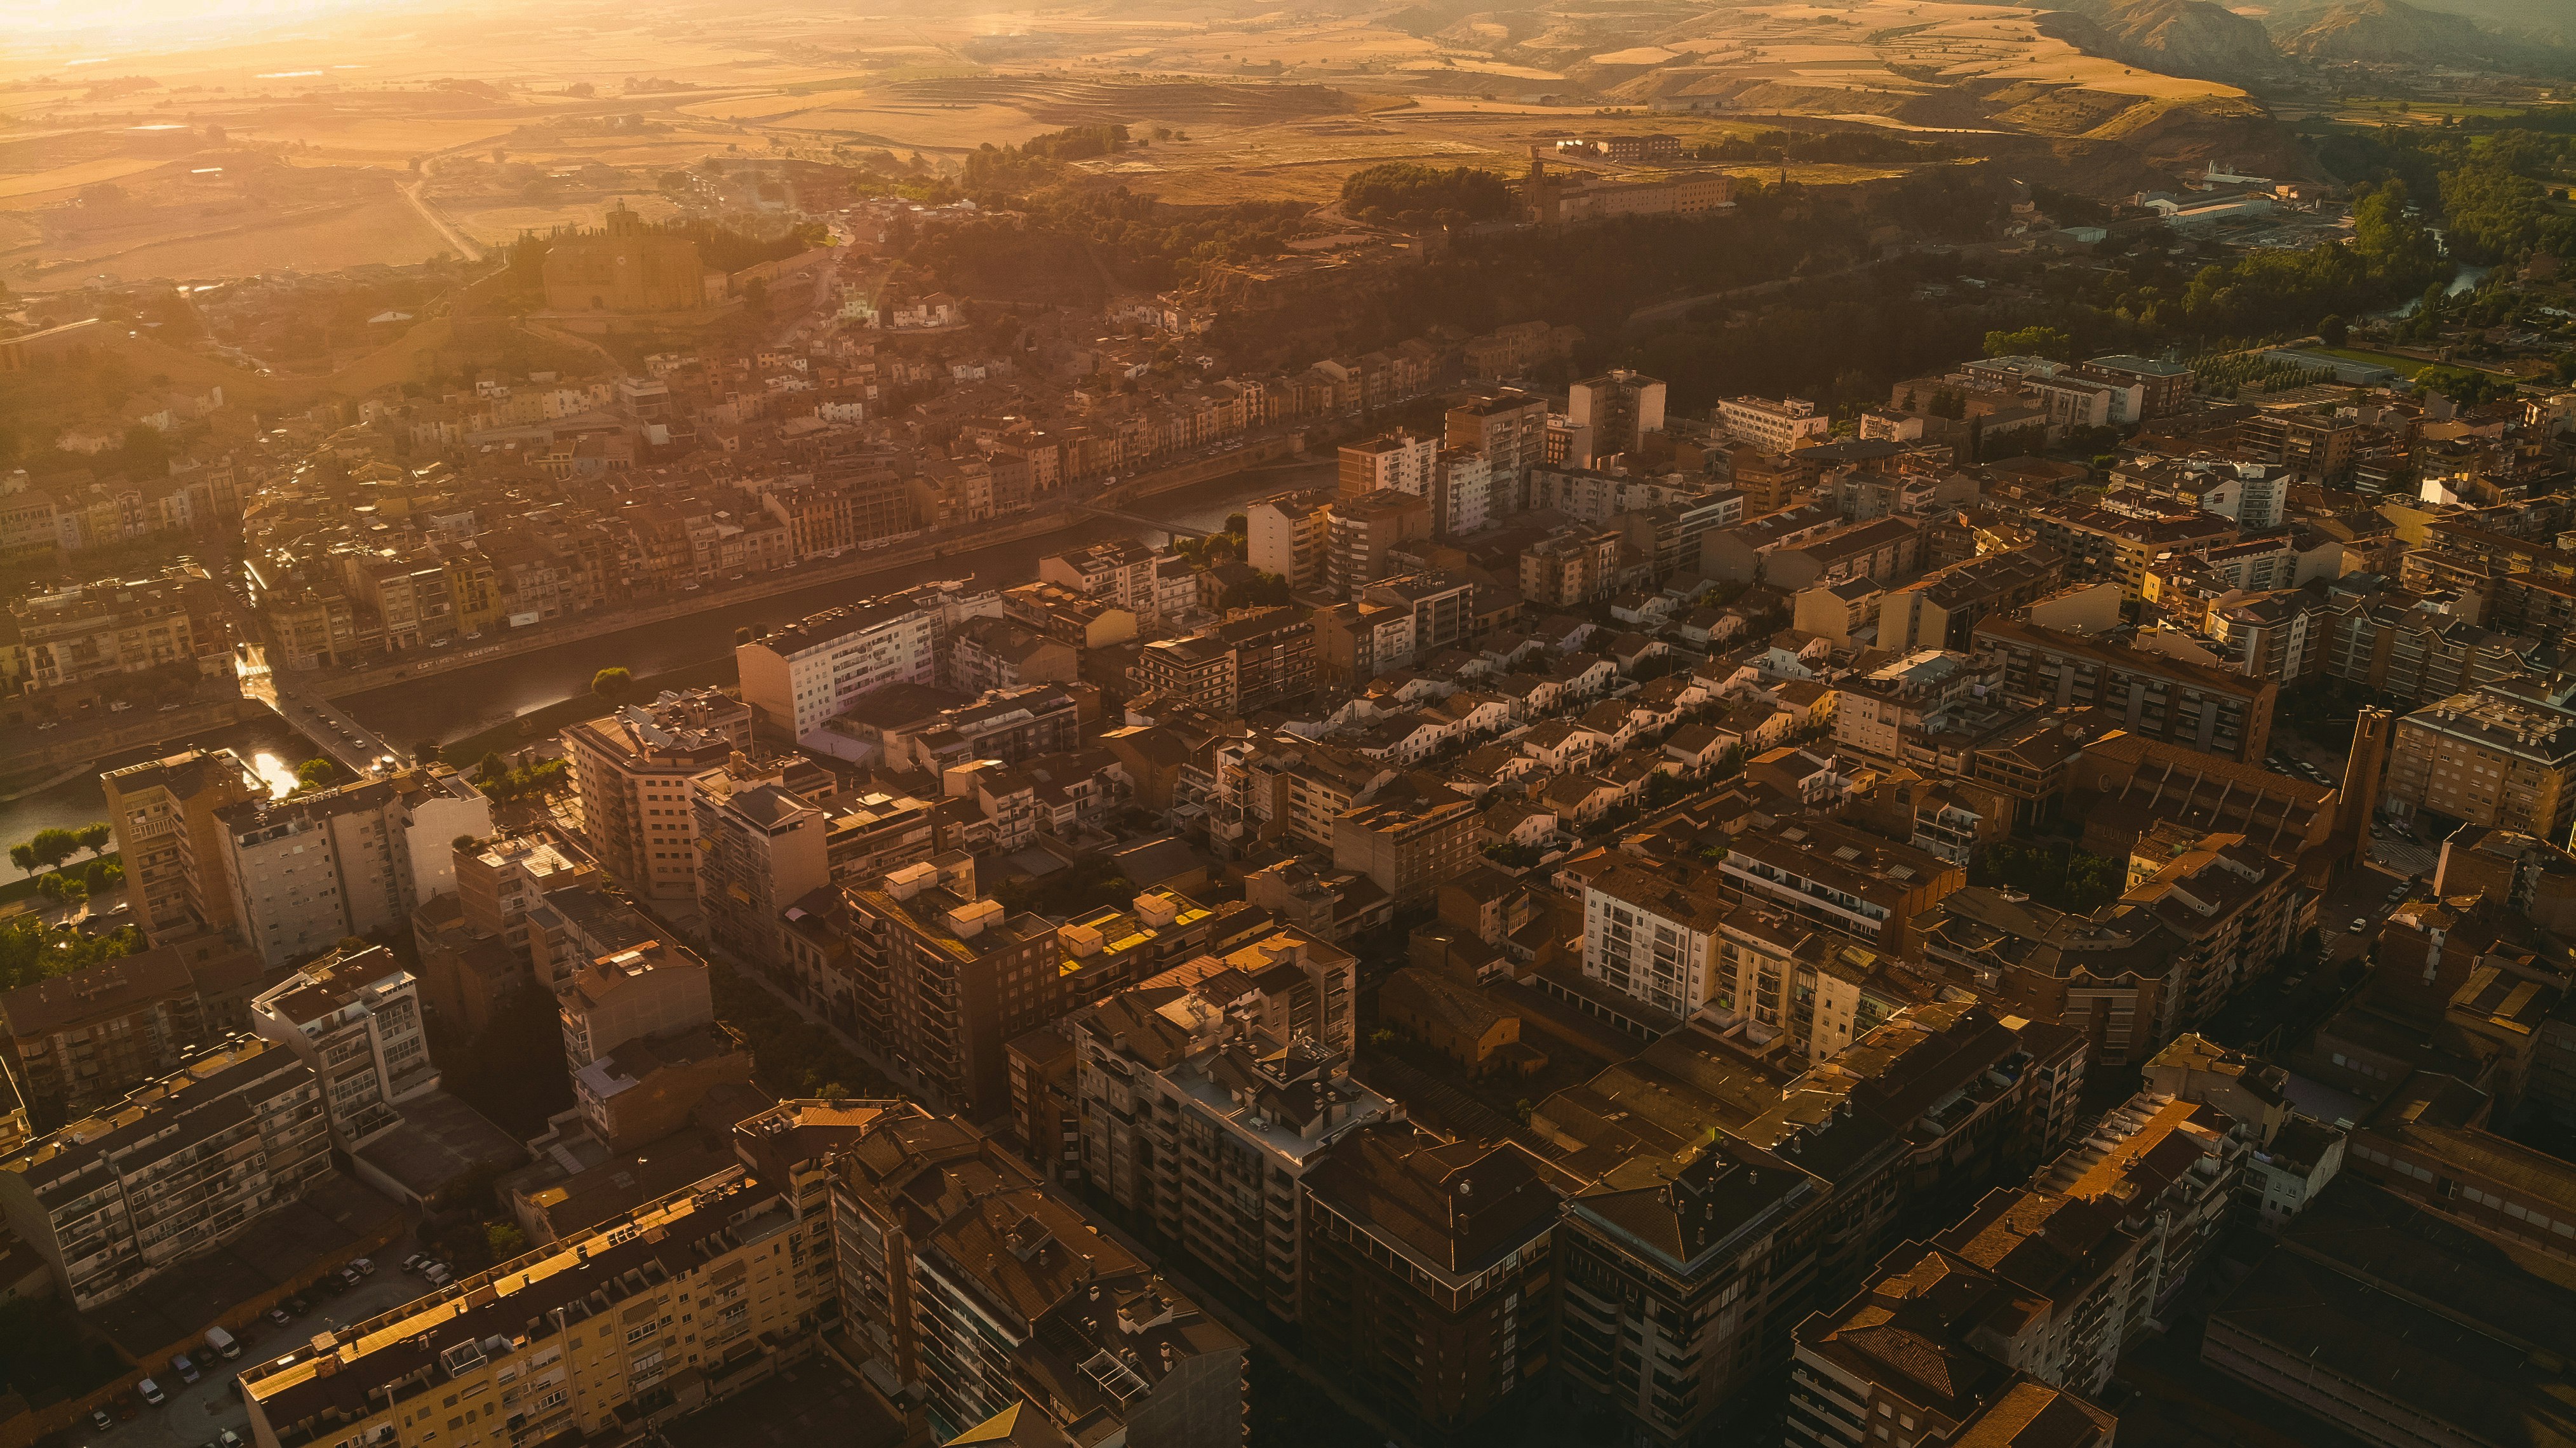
x=382 y=230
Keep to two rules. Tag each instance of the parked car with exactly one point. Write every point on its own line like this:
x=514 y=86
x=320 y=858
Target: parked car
x=415 y=1261
x=2359 y=924
x=366 y=1266
x=230 y=1439
x=280 y=1315
x=98 y=1419
x=186 y=1370
x=350 y=1276
x=297 y=1306
x=436 y=1274
x=151 y=1392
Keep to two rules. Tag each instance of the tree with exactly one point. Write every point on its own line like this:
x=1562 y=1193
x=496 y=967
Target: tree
x=492 y=767
x=51 y=847
x=94 y=836
x=612 y=685
x=23 y=856
x=315 y=774
x=2333 y=330
x=2031 y=342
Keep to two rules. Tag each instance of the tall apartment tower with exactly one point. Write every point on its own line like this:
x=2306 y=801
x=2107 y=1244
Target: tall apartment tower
x=1610 y=413
x=1397 y=460
x=946 y=977
x=1510 y=430
x=760 y=848
x=631 y=772
x=164 y=813
x=2363 y=769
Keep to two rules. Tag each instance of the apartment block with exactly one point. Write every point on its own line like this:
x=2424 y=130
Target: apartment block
x=1118 y=571
x=631 y=772
x=74 y=1043
x=1773 y=425
x=1841 y=880
x=650 y=989
x=164 y=814
x=945 y=978
x=1196 y=1119
x=968 y=1289
x=1430 y=1271
x=310 y=871
x=797 y=677
x=688 y=1299
x=1364 y=531
x=1508 y=429
x=175 y=1169
x=2487 y=758
x=760 y=848
x=354 y=1019
x=1569 y=567
x=1397 y=460
x=1679 y=1279
x=1289 y=536
x=1409 y=850
x=500 y=879
x=2152 y=695
x=1609 y=414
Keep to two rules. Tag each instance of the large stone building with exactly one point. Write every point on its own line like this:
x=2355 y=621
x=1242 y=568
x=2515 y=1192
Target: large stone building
x=310 y=871
x=629 y=276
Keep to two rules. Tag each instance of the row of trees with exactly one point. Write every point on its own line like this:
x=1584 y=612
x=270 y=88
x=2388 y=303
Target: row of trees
x=51 y=847
x=1403 y=191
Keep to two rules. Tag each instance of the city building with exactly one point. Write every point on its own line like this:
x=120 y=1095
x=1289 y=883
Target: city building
x=164 y=815
x=1429 y=1271
x=309 y=871
x=1197 y=1119
x=760 y=848
x=1363 y=532
x=1409 y=850
x=797 y=677
x=74 y=1043
x=651 y=989
x=354 y=1018
x=946 y=977
x=2487 y=758
x=180 y=1166
x=1397 y=460
x=1774 y=426
x=614 y=1328
x=1290 y=535
x=1610 y=414
x=2152 y=695
x=968 y=1289
x=1509 y=430
x=631 y=773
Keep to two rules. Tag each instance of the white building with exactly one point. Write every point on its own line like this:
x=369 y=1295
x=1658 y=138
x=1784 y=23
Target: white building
x=1462 y=494
x=310 y=871
x=355 y=1019
x=1650 y=938
x=802 y=675
x=1773 y=426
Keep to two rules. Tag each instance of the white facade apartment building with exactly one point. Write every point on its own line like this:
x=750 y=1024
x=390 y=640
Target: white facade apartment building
x=801 y=676
x=1462 y=492
x=355 y=1020
x=1289 y=535
x=1772 y=425
x=357 y=860
x=1652 y=936
x=1119 y=571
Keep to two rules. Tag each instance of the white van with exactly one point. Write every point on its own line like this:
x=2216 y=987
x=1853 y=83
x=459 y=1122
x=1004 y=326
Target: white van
x=150 y=1392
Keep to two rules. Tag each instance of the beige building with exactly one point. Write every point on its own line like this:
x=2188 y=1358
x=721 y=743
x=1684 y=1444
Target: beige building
x=650 y=990
x=2489 y=759
x=172 y=844
x=631 y=772
x=1410 y=850
x=684 y=1301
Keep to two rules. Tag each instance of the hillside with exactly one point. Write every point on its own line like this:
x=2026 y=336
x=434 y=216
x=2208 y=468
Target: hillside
x=2393 y=31
x=2181 y=37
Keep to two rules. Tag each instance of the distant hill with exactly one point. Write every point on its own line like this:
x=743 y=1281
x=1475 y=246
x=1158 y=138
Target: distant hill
x=2391 y=30
x=2181 y=37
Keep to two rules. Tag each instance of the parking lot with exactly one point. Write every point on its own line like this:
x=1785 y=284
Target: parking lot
x=197 y=1412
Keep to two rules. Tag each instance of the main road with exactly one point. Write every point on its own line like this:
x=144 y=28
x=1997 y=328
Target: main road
x=463 y=701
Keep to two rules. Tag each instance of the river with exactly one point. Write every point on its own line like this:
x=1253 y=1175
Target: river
x=448 y=706
x=2465 y=280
